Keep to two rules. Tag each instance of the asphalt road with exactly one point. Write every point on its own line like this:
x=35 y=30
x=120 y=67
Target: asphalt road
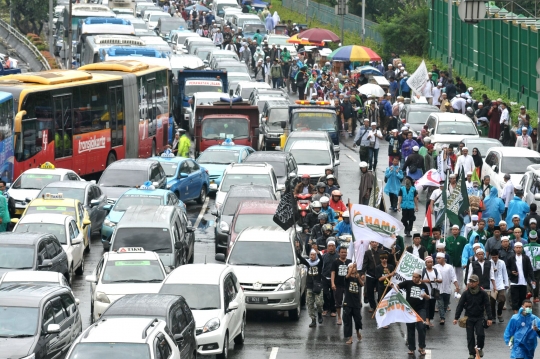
x=273 y=335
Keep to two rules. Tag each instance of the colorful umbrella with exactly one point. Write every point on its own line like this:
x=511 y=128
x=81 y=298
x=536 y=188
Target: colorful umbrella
x=368 y=70
x=354 y=53
x=319 y=35
x=297 y=40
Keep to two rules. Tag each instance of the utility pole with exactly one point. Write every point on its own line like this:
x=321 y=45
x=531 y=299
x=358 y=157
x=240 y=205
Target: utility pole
x=307 y=11
x=69 y=56
x=363 y=20
x=449 y=38
x=342 y=9
x=51 y=25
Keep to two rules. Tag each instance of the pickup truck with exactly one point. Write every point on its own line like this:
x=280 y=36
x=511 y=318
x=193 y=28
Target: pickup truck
x=4 y=72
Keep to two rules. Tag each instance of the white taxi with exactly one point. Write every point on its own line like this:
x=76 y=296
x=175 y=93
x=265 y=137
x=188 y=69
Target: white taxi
x=67 y=232
x=27 y=186
x=127 y=271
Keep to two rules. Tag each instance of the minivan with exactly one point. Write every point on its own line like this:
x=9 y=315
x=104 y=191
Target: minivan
x=161 y=229
x=219 y=5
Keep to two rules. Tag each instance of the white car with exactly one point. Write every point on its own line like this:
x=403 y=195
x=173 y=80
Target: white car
x=450 y=128
x=313 y=157
x=264 y=260
x=245 y=88
x=27 y=186
x=65 y=229
x=125 y=338
x=128 y=271
x=216 y=300
x=512 y=160
x=239 y=173
x=21 y=277
x=531 y=185
x=281 y=40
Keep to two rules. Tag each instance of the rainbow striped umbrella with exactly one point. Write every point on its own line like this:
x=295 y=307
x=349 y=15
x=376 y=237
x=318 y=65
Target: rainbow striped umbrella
x=353 y=53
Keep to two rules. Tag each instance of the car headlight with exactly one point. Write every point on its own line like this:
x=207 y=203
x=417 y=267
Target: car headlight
x=211 y=325
x=109 y=223
x=289 y=284
x=224 y=226
x=32 y=356
x=102 y=297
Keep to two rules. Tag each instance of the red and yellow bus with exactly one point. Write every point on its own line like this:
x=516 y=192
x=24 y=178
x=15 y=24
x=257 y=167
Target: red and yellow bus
x=86 y=119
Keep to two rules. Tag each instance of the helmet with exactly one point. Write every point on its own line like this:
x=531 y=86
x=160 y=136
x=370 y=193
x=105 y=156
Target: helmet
x=305 y=175
x=321 y=185
x=327 y=227
x=329 y=168
x=345 y=214
x=325 y=199
x=316 y=204
x=336 y=192
x=330 y=177
x=322 y=216
x=363 y=164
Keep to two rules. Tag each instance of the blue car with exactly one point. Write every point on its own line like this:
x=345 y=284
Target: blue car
x=185 y=177
x=146 y=195
x=216 y=158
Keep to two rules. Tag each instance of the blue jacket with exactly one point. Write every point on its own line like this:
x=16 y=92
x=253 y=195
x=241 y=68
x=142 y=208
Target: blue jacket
x=407 y=201
x=468 y=249
x=494 y=205
x=387 y=107
x=525 y=338
x=330 y=213
x=393 y=183
x=342 y=228
x=517 y=206
x=404 y=85
x=519 y=132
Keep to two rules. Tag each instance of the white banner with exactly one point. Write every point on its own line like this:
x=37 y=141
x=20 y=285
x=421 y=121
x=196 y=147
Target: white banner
x=356 y=252
x=431 y=178
x=371 y=224
x=395 y=309
x=417 y=80
x=407 y=264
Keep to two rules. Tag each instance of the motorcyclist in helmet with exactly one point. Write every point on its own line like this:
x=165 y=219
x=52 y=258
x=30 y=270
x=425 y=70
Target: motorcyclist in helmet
x=329 y=171
x=336 y=203
x=330 y=184
x=312 y=217
x=327 y=231
x=321 y=191
x=316 y=230
x=343 y=227
x=304 y=187
x=325 y=202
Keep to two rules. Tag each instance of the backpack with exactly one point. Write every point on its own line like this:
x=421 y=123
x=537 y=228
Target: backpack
x=275 y=71
x=413 y=168
x=382 y=113
x=395 y=109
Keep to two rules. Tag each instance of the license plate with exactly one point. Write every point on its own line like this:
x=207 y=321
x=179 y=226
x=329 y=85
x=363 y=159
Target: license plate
x=257 y=300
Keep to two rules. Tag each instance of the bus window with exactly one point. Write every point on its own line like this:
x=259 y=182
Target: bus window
x=6 y=120
x=152 y=111
x=36 y=124
x=63 y=121
x=116 y=106
x=90 y=108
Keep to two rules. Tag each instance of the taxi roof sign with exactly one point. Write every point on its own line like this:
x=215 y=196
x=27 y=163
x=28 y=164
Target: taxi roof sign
x=47 y=166
x=53 y=196
x=168 y=154
x=131 y=250
x=227 y=142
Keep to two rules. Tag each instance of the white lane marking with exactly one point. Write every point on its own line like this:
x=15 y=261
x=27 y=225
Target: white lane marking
x=273 y=353
x=428 y=354
x=201 y=213
x=352 y=159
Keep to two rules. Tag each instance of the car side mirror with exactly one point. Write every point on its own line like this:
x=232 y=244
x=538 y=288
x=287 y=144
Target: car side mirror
x=91 y=278
x=46 y=264
x=28 y=199
x=86 y=222
x=298 y=261
x=183 y=175
x=214 y=212
x=537 y=196
x=281 y=187
x=337 y=163
x=76 y=241
x=495 y=168
x=232 y=306
x=107 y=207
x=53 y=329
x=77 y=301
x=94 y=202
x=178 y=338
x=283 y=124
x=220 y=257
x=190 y=229
x=177 y=245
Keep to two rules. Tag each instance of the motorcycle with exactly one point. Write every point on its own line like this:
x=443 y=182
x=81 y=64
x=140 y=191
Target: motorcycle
x=344 y=241
x=304 y=202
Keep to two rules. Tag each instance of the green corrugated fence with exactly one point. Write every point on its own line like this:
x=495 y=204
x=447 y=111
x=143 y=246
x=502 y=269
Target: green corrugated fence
x=326 y=15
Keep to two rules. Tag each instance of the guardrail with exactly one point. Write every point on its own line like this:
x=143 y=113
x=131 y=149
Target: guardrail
x=24 y=47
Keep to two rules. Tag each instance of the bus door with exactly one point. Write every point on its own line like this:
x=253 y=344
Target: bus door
x=63 y=136
x=152 y=107
x=116 y=105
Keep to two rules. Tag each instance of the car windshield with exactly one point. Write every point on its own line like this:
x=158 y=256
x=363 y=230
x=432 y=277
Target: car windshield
x=202 y=53
x=220 y=157
x=276 y=116
x=111 y=350
x=221 y=128
x=34 y=181
x=483 y=147
x=253 y=220
x=139 y=25
x=130 y=271
x=68 y=211
x=220 y=7
x=279 y=168
x=456 y=128
x=16 y=257
x=156 y=17
x=518 y=165
x=278 y=40
x=160 y=242
x=197 y=296
x=276 y=254
x=311 y=157
x=253 y=27
x=18 y=321
x=226 y=56
x=167 y=26
x=231 y=204
x=73 y=193
x=315 y=121
x=59 y=230
x=234 y=79
x=418 y=118
x=191 y=89
x=233 y=68
x=123 y=178
x=234 y=179
x=169 y=168
x=136 y=200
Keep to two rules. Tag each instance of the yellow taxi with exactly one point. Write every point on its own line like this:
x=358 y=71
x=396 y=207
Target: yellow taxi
x=56 y=203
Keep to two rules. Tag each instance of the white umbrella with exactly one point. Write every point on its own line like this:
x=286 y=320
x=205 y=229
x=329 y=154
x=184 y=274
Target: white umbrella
x=371 y=89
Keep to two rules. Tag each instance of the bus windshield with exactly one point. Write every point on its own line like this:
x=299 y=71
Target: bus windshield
x=315 y=121
x=203 y=86
x=221 y=128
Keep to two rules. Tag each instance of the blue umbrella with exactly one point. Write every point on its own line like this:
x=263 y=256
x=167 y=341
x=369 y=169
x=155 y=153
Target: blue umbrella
x=198 y=7
x=368 y=70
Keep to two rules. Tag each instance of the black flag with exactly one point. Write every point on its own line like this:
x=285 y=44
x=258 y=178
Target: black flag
x=284 y=216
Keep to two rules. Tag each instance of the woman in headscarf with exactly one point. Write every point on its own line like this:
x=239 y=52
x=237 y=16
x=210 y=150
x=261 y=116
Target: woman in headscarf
x=258 y=55
x=314 y=296
x=269 y=23
x=494 y=206
x=276 y=18
x=477 y=158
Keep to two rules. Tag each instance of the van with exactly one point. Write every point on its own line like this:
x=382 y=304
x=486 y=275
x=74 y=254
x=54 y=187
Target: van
x=193 y=42
x=161 y=229
x=239 y=19
x=219 y=5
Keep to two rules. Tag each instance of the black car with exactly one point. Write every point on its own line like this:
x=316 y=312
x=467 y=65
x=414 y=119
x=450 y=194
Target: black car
x=88 y=193
x=130 y=173
x=272 y=114
x=173 y=309
x=417 y=114
x=32 y=251
x=284 y=165
x=227 y=210
x=37 y=321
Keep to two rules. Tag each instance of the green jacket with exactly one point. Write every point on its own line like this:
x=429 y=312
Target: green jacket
x=258 y=38
x=426 y=242
x=454 y=248
x=183 y=146
x=285 y=56
x=532 y=250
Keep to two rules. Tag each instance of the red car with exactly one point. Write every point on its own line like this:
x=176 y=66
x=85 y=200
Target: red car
x=252 y=213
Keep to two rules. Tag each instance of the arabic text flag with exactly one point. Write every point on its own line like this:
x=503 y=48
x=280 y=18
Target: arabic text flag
x=371 y=224
x=406 y=267
x=418 y=79
x=431 y=178
x=395 y=309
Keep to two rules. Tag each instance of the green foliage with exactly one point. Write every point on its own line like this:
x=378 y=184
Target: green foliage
x=29 y=15
x=41 y=47
x=406 y=32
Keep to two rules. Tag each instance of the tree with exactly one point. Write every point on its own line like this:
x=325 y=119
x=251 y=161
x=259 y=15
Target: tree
x=406 y=32
x=29 y=15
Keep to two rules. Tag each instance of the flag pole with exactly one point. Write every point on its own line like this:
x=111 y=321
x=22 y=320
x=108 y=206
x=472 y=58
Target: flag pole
x=386 y=289
x=349 y=206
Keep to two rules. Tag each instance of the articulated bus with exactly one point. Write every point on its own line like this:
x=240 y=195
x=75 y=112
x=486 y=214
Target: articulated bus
x=102 y=25
x=86 y=119
x=92 y=45
x=6 y=136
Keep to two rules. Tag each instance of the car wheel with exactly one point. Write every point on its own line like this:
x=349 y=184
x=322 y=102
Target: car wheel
x=87 y=249
x=239 y=339
x=192 y=258
x=225 y=353
x=80 y=270
x=70 y=275
x=92 y=312
x=202 y=195
x=295 y=313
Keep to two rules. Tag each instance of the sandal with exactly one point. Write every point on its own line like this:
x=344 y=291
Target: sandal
x=333 y=314
x=422 y=351
x=410 y=352
x=441 y=322
x=339 y=322
x=349 y=341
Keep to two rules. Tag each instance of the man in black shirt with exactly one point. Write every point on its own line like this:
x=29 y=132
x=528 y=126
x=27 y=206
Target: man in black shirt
x=339 y=272
x=417 y=298
x=328 y=259
x=369 y=265
x=351 y=304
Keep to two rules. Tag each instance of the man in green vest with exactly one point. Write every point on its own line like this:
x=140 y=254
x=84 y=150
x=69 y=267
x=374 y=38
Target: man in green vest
x=184 y=144
x=426 y=240
x=532 y=250
x=454 y=248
